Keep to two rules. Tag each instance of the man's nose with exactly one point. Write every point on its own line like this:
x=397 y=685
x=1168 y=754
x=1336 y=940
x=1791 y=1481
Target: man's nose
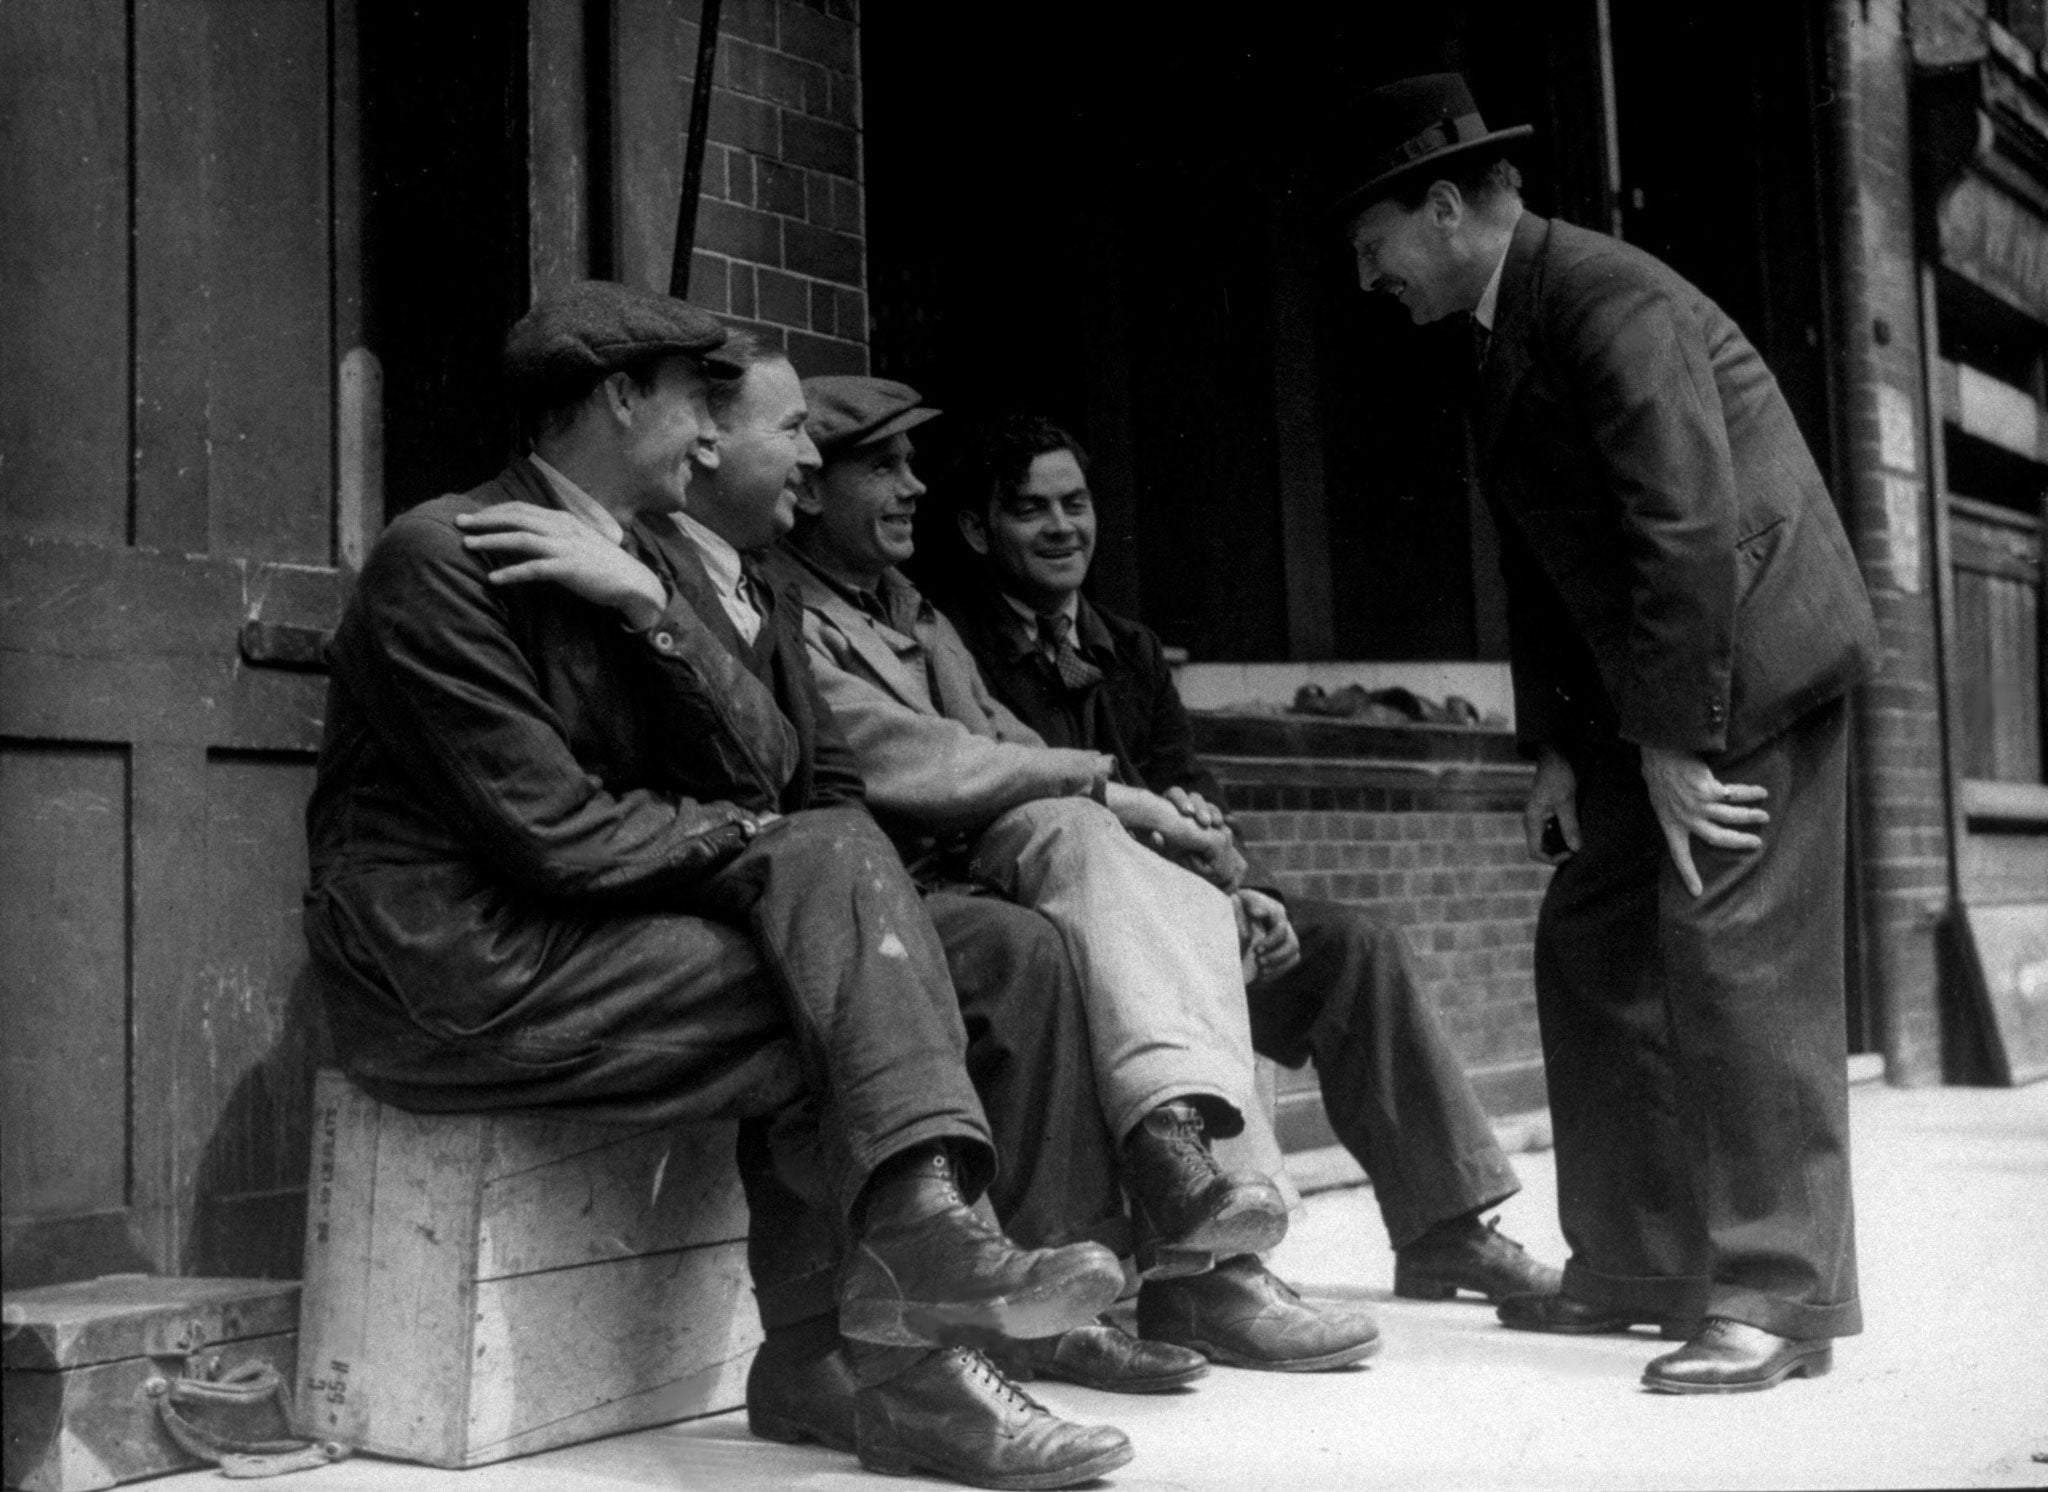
x=1059 y=521
x=911 y=486
x=1368 y=277
x=807 y=456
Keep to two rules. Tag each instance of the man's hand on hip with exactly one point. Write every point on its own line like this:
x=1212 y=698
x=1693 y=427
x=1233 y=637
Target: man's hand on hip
x=1690 y=800
x=1553 y=795
x=547 y=544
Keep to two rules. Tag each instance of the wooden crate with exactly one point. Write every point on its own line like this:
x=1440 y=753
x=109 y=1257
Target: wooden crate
x=481 y=1287
x=77 y=1358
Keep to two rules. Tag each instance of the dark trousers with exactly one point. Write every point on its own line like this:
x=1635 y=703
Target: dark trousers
x=1695 y=1049
x=1395 y=1092
x=1027 y=1054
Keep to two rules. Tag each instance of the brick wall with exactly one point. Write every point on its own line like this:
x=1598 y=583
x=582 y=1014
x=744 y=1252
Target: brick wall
x=1902 y=815
x=780 y=241
x=1461 y=886
x=1421 y=828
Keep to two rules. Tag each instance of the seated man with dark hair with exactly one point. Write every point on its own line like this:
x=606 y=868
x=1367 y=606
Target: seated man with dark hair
x=576 y=847
x=975 y=797
x=1087 y=679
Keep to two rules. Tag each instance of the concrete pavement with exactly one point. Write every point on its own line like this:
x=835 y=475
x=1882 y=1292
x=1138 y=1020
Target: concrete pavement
x=1948 y=1387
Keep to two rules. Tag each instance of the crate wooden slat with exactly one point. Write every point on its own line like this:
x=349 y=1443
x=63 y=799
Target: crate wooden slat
x=480 y=1287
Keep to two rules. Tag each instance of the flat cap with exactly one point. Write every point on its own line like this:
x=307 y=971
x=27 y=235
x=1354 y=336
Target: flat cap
x=848 y=411
x=584 y=331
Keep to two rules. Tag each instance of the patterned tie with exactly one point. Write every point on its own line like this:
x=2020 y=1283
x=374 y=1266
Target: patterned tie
x=1077 y=673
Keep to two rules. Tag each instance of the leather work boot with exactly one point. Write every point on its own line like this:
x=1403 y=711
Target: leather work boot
x=1464 y=1254
x=1188 y=1211
x=801 y=1387
x=1105 y=1356
x=1732 y=1357
x=954 y=1415
x=1241 y=1315
x=929 y=1271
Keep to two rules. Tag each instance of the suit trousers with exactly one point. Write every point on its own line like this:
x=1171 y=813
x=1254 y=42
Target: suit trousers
x=1695 y=1048
x=1155 y=947
x=1395 y=1092
x=1056 y=1179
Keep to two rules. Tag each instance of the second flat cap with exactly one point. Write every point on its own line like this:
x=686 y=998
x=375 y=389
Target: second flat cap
x=848 y=410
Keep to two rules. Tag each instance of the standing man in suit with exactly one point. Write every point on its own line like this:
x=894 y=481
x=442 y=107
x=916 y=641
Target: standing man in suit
x=576 y=848
x=976 y=798
x=1084 y=678
x=1685 y=619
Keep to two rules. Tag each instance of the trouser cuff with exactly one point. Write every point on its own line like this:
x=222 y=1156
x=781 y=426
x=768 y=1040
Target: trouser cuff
x=1785 y=1318
x=1680 y=1297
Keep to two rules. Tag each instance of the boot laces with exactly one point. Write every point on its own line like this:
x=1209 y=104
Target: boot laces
x=979 y=1366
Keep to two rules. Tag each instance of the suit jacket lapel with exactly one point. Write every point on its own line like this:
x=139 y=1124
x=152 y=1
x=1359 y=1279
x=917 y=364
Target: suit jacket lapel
x=1508 y=361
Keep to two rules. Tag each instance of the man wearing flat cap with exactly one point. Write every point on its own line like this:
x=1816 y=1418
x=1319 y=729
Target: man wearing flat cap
x=574 y=849
x=1685 y=618
x=974 y=797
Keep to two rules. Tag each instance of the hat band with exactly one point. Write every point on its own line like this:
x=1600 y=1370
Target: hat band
x=1440 y=136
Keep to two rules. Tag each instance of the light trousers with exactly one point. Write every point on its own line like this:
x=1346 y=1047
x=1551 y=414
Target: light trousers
x=1155 y=947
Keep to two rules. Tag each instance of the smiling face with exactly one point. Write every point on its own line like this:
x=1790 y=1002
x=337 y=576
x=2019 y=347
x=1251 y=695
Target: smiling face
x=862 y=505
x=1039 y=540
x=761 y=455
x=660 y=425
x=1408 y=253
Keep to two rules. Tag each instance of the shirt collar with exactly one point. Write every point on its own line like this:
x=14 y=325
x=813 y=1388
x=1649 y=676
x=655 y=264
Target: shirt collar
x=721 y=560
x=1489 y=299
x=893 y=597
x=580 y=503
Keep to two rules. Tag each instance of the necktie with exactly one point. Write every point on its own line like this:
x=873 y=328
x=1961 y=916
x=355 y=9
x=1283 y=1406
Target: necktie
x=750 y=595
x=1077 y=673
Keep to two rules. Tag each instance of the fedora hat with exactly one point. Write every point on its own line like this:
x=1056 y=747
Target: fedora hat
x=1392 y=134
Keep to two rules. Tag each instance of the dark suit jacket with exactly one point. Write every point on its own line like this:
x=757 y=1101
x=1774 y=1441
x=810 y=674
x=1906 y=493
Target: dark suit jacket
x=1134 y=715
x=1675 y=570
x=510 y=779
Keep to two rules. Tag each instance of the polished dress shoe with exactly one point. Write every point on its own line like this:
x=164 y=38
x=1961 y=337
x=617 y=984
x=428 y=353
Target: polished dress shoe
x=1568 y=1316
x=1733 y=1357
x=1105 y=1356
x=929 y=1271
x=955 y=1415
x=1465 y=1254
x=1241 y=1315
x=1188 y=1211
x=801 y=1387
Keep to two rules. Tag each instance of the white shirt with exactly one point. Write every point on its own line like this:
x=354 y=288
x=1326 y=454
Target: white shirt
x=580 y=503
x=1489 y=298
x=722 y=564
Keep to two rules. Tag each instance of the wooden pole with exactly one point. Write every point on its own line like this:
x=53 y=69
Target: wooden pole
x=693 y=147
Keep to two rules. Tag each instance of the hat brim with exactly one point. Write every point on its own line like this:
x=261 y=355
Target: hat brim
x=1354 y=201
x=897 y=424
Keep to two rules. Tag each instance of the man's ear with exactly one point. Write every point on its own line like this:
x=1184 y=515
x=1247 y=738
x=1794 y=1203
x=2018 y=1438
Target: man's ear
x=1446 y=204
x=619 y=397
x=810 y=497
x=973 y=532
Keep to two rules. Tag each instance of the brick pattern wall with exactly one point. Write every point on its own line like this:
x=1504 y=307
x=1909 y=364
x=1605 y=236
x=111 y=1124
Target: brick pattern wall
x=1901 y=810
x=780 y=244
x=1461 y=886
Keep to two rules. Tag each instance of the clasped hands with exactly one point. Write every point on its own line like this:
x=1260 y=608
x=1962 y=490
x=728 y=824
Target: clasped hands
x=1195 y=835
x=1689 y=801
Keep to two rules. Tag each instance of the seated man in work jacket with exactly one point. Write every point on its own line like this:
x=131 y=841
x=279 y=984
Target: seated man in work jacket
x=975 y=797
x=1395 y=1092
x=575 y=849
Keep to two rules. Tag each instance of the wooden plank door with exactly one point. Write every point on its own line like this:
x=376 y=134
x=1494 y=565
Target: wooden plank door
x=176 y=292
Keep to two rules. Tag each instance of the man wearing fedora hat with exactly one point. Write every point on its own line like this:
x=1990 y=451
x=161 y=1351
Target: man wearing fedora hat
x=577 y=846
x=1685 y=619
